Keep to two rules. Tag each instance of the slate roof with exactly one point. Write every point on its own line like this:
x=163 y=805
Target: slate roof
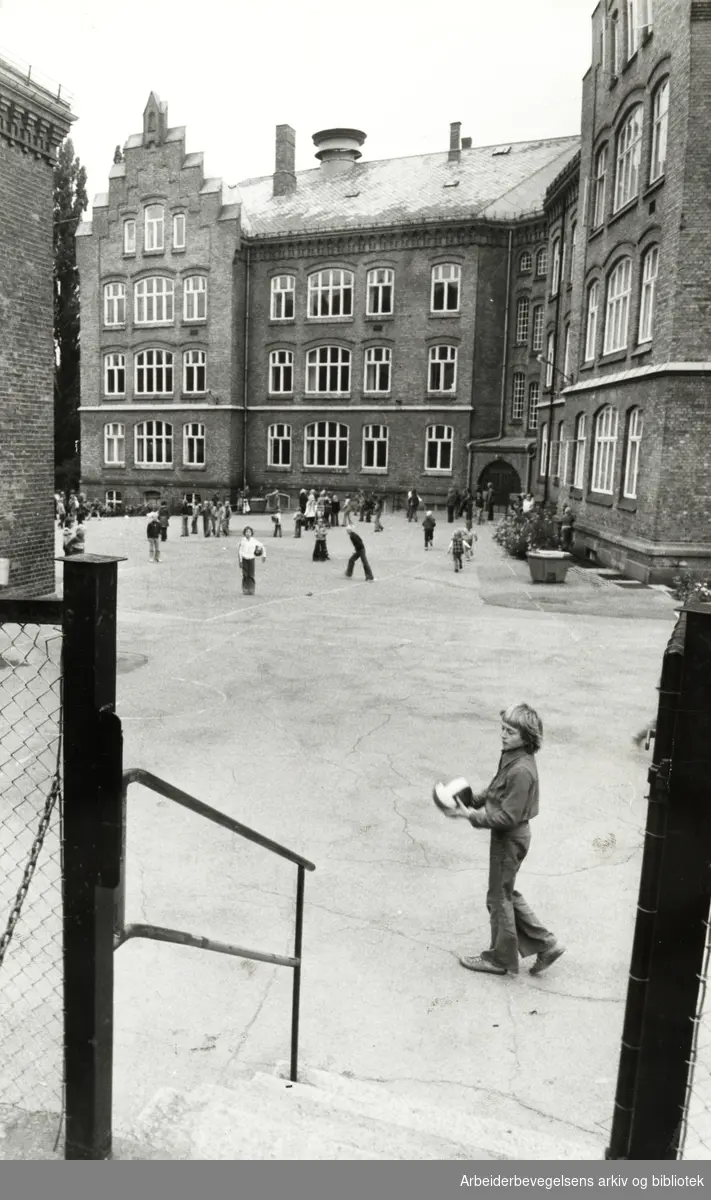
x=489 y=182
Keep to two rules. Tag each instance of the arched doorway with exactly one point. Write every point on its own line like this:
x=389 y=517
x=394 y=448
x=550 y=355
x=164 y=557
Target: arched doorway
x=505 y=479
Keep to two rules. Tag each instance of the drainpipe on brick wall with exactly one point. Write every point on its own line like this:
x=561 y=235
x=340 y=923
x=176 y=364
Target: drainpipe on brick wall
x=502 y=421
x=246 y=370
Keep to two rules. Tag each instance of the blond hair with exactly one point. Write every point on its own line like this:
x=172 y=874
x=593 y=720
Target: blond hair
x=528 y=723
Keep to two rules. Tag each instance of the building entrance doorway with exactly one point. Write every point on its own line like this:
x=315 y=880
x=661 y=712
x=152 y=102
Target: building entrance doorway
x=505 y=480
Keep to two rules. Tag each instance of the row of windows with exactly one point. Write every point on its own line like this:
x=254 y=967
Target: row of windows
x=518 y=399
x=329 y=293
x=626 y=31
x=628 y=156
x=618 y=303
x=153 y=373
x=154 y=301
x=326 y=444
x=154 y=230
x=528 y=319
x=525 y=262
x=570 y=467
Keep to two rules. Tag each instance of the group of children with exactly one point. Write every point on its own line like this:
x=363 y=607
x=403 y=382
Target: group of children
x=460 y=547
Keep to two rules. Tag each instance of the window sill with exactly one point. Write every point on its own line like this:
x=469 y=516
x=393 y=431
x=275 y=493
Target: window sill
x=281 y=321
x=115 y=328
x=377 y=395
x=194 y=466
x=622 y=212
x=193 y=321
x=437 y=471
x=129 y=254
x=280 y=395
x=374 y=470
x=178 y=249
x=114 y=466
x=644 y=348
x=370 y=317
x=117 y=396
x=152 y=253
x=190 y=397
x=441 y=395
x=599 y=498
x=627 y=504
x=154 y=324
x=540 y=278
x=330 y=320
x=278 y=468
x=614 y=356
x=444 y=316
x=654 y=186
x=576 y=493
x=588 y=365
x=327 y=396
x=153 y=398
x=153 y=466
x=632 y=58
x=596 y=232
x=331 y=470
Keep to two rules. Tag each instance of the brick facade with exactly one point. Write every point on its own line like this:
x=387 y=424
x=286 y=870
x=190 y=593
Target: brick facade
x=32 y=123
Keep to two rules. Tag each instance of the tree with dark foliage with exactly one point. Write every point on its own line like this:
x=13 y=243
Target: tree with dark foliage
x=70 y=201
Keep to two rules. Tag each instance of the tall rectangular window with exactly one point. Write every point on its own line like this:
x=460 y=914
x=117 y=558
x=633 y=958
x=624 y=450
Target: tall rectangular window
x=591 y=325
x=279 y=445
x=129 y=236
x=566 y=355
x=579 y=459
x=443 y=369
x=538 y=328
x=604 y=448
x=195 y=298
x=115 y=374
x=194 y=444
x=380 y=287
x=439 y=442
x=328 y=369
x=153 y=373
x=377 y=369
x=154 y=225
x=375 y=447
x=660 y=122
x=330 y=293
x=179 y=231
x=446 y=283
x=153 y=301
x=281 y=371
x=629 y=150
x=283 y=289
x=534 y=395
x=550 y=359
x=114 y=445
x=518 y=398
x=555 y=270
x=153 y=444
x=522 y=314
x=599 y=187
x=113 y=500
x=194 y=372
x=650 y=271
x=633 y=30
x=619 y=288
x=114 y=304
x=634 y=437
x=326 y=444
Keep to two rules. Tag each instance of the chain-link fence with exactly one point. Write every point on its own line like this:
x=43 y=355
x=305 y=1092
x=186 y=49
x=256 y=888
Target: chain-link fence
x=31 y=990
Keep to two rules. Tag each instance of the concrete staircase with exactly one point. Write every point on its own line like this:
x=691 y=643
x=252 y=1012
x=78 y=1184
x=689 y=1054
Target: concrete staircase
x=328 y=1117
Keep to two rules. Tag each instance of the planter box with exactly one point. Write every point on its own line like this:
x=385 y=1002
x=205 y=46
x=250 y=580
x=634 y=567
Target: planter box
x=548 y=566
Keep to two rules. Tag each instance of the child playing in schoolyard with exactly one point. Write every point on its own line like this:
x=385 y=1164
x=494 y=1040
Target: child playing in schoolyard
x=456 y=549
x=276 y=521
x=153 y=533
x=377 y=513
x=429 y=527
x=469 y=538
x=299 y=522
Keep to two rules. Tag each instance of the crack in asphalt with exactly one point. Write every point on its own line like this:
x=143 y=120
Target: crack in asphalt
x=369 y=733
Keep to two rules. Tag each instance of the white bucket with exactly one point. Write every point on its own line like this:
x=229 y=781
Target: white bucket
x=4 y=572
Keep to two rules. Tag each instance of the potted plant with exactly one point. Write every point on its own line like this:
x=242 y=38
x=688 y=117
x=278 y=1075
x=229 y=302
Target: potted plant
x=534 y=536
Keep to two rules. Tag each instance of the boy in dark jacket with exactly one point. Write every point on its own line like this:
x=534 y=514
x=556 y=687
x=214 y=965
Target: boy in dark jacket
x=429 y=527
x=359 y=553
x=506 y=807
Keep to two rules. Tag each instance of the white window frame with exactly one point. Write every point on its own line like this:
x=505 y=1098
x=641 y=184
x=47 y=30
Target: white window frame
x=556 y=446
x=580 y=440
x=635 y=429
x=617 y=310
x=282 y=298
x=440 y=438
x=195 y=298
x=647 y=304
x=380 y=292
x=542 y=263
x=442 y=370
x=566 y=354
x=194 y=362
x=615 y=44
x=114 y=444
x=628 y=158
x=377 y=370
x=161 y=363
x=326 y=444
x=632 y=28
x=518 y=395
x=600 y=187
x=534 y=399
x=154 y=228
x=158 y=436
x=114 y=303
x=592 y=315
x=543 y=462
x=375 y=444
x=129 y=235
x=113 y=499
x=538 y=319
x=604 y=451
x=332 y=363
x=525 y=263
x=573 y=247
x=446 y=287
x=550 y=359
x=555 y=269
x=179 y=230
x=660 y=128
x=154 y=300
x=114 y=367
x=523 y=313
x=330 y=294
x=281 y=372
x=194 y=445
x=279 y=438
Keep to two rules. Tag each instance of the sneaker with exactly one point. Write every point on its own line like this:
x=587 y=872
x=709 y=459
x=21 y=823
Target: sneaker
x=545 y=959
x=486 y=966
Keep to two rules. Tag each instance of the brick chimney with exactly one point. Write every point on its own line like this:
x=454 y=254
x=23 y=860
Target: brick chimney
x=455 y=130
x=284 y=165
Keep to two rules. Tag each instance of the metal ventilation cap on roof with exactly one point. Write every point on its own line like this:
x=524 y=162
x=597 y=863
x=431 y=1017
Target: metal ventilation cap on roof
x=339 y=145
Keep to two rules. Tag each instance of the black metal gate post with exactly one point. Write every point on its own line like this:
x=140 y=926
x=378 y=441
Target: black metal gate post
x=684 y=897
x=92 y=842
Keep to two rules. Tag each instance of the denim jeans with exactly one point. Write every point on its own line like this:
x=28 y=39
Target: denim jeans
x=515 y=928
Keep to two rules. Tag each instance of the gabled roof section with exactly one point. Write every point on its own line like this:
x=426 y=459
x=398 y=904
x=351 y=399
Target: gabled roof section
x=488 y=182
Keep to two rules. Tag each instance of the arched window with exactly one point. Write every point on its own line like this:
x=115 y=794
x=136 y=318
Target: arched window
x=604 y=450
x=542 y=262
x=525 y=263
x=194 y=372
x=378 y=361
x=599 y=187
x=579 y=443
x=591 y=323
x=279 y=445
x=375 y=447
x=518 y=397
x=328 y=369
x=153 y=301
x=523 y=306
x=442 y=369
x=629 y=149
x=326 y=444
x=281 y=371
x=617 y=314
x=115 y=374
x=379 y=292
x=114 y=303
x=635 y=423
x=446 y=283
x=282 y=297
x=330 y=293
x=194 y=444
x=439 y=443
x=650 y=270
x=153 y=373
x=114 y=445
x=660 y=121
x=195 y=298
x=154 y=227
x=555 y=269
x=153 y=444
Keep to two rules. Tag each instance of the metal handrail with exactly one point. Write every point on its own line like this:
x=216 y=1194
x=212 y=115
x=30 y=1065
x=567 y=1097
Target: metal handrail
x=159 y=933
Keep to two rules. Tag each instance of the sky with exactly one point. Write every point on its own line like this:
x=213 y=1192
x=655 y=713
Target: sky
x=230 y=72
